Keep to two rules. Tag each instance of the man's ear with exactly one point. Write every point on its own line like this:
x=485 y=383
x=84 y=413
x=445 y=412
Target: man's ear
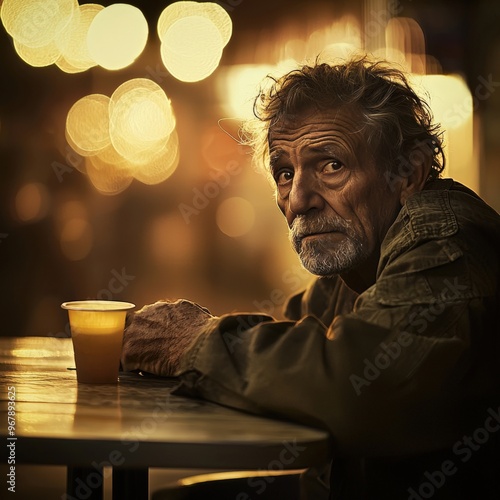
x=420 y=163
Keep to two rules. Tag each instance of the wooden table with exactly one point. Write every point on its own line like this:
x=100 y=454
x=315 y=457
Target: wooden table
x=131 y=426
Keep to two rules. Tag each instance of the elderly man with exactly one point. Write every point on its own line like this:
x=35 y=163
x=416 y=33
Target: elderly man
x=395 y=348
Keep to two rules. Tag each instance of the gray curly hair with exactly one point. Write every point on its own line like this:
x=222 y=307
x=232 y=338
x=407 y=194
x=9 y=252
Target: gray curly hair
x=398 y=123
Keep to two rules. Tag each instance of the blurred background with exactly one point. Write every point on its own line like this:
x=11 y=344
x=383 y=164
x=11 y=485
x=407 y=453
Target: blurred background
x=208 y=228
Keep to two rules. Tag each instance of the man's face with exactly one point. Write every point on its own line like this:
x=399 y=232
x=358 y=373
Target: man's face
x=334 y=196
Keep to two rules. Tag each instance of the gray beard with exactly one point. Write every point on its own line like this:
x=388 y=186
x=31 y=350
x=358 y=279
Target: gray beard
x=320 y=257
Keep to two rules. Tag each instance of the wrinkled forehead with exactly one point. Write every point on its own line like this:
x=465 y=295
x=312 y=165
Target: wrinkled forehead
x=339 y=121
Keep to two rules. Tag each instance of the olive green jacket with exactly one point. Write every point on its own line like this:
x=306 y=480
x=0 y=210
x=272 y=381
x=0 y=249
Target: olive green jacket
x=402 y=376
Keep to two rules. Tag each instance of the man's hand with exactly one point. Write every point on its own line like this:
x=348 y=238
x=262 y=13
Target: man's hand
x=158 y=335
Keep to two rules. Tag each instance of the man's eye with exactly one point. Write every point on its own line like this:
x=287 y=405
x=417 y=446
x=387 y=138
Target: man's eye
x=283 y=177
x=333 y=166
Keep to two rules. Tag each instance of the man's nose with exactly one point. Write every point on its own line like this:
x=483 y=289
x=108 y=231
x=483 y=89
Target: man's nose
x=304 y=196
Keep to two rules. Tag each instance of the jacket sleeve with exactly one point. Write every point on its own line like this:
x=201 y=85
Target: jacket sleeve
x=399 y=374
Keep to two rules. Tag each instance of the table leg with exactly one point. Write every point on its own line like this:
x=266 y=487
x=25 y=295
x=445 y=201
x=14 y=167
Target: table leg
x=84 y=482
x=130 y=484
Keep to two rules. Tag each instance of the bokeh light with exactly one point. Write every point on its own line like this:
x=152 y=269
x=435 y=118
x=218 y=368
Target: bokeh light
x=336 y=51
x=75 y=38
x=76 y=238
x=452 y=105
x=235 y=216
x=239 y=84
x=38 y=56
x=129 y=135
x=170 y=239
x=107 y=177
x=117 y=36
x=193 y=36
x=192 y=49
x=212 y=11
x=75 y=233
x=160 y=167
x=72 y=41
x=31 y=202
x=66 y=66
x=34 y=23
x=141 y=119
x=449 y=97
x=87 y=124
x=179 y=253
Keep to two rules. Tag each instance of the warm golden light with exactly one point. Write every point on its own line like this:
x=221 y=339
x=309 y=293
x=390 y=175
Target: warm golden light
x=73 y=40
x=235 y=216
x=75 y=232
x=238 y=85
x=393 y=56
x=382 y=36
x=117 y=36
x=38 y=56
x=35 y=23
x=192 y=48
x=404 y=45
x=449 y=96
x=220 y=18
x=130 y=135
x=108 y=178
x=141 y=119
x=54 y=32
x=163 y=247
x=68 y=210
x=335 y=51
x=156 y=169
x=67 y=67
x=193 y=36
x=87 y=124
x=223 y=476
x=31 y=202
x=212 y=11
x=451 y=102
x=110 y=155
x=76 y=239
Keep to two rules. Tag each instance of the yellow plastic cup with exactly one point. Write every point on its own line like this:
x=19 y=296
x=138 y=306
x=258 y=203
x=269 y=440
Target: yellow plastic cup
x=97 y=332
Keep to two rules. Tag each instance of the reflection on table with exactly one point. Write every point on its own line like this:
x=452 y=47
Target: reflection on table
x=133 y=425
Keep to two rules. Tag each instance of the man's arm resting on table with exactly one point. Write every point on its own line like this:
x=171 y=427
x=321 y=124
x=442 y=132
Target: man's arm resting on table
x=157 y=336
x=397 y=375
x=293 y=370
x=391 y=377
x=376 y=390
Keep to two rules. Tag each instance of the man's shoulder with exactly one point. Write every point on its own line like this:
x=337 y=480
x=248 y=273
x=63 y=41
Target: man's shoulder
x=443 y=234
x=446 y=208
